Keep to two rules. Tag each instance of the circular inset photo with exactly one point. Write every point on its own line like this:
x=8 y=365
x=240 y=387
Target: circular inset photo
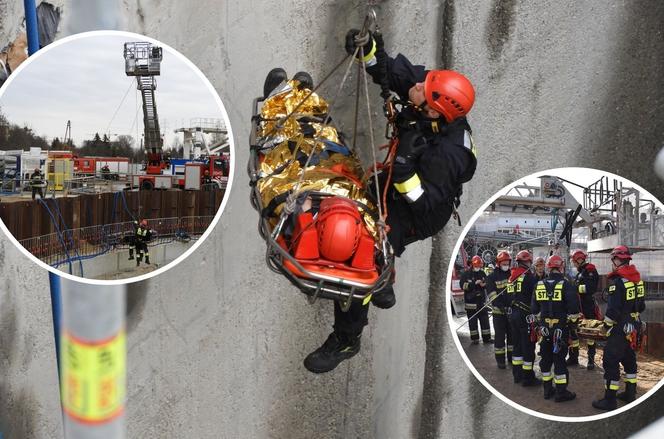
x=555 y=294
x=115 y=154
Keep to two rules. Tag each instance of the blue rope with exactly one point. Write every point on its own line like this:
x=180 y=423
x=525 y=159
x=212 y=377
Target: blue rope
x=124 y=201
x=58 y=232
x=71 y=237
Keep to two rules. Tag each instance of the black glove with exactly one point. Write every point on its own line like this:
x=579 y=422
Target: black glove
x=351 y=44
x=411 y=145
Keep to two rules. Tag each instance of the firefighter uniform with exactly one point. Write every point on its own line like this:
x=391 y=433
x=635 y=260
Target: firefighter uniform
x=425 y=184
x=556 y=306
x=141 y=239
x=37 y=184
x=520 y=294
x=587 y=280
x=473 y=284
x=132 y=240
x=497 y=282
x=626 y=301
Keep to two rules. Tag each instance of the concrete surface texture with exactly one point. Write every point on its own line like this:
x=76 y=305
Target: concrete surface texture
x=215 y=345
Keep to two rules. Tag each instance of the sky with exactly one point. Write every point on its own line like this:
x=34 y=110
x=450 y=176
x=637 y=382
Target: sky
x=84 y=81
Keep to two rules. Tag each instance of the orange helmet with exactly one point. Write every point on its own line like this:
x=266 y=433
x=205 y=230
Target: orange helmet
x=579 y=256
x=524 y=256
x=338 y=227
x=539 y=261
x=450 y=93
x=503 y=256
x=555 y=262
x=477 y=262
x=621 y=252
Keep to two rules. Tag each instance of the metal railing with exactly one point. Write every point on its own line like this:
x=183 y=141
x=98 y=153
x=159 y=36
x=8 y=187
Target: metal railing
x=70 y=245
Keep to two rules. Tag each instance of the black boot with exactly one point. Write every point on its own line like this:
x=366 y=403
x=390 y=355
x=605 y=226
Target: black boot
x=548 y=389
x=517 y=373
x=562 y=394
x=335 y=349
x=500 y=361
x=608 y=402
x=305 y=80
x=528 y=379
x=131 y=254
x=591 y=357
x=385 y=298
x=629 y=394
x=147 y=259
x=138 y=260
x=273 y=79
x=573 y=358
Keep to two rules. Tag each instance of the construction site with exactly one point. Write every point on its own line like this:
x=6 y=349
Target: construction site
x=215 y=346
x=556 y=215
x=115 y=216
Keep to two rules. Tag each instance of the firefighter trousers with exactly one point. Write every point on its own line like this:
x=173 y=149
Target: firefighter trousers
x=474 y=315
x=351 y=322
x=618 y=351
x=523 y=354
x=553 y=352
x=502 y=339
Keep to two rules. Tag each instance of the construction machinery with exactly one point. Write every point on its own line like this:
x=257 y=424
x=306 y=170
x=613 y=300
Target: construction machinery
x=143 y=61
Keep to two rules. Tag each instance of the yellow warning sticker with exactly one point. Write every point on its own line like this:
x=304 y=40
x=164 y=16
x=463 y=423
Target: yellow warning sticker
x=93 y=378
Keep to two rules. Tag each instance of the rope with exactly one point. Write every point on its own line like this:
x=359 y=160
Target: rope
x=118 y=109
x=58 y=232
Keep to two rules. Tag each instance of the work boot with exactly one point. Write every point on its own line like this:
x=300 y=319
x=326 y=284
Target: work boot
x=516 y=373
x=528 y=379
x=385 y=298
x=591 y=357
x=629 y=394
x=131 y=255
x=548 y=389
x=501 y=365
x=273 y=79
x=573 y=359
x=336 y=348
x=305 y=80
x=475 y=341
x=147 y=259
x=562 y=394
x=608 y=402
x=487 y=340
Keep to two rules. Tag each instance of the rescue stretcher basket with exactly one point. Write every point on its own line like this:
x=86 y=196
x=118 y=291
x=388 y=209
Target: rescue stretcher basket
x=311 y=282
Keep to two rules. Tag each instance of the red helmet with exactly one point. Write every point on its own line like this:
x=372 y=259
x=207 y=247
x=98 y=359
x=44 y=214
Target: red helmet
x=338 y=227
x=621 y=252
x=539 y=261
x=144 y=223
x=450 y=93
x=579 y=256
x=503 y=256
x=555 y=262
x=524 y=256
x=477 y=262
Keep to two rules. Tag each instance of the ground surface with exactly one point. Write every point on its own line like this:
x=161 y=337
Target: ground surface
x=588 y=385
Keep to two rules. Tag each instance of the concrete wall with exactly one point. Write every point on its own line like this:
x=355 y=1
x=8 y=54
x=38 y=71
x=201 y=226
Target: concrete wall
x=215 y=345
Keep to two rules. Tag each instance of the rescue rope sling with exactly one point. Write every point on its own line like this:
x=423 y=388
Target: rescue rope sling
x=317 y=285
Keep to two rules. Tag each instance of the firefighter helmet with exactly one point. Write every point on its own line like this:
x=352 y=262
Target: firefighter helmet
x=579 y=256
x=621 y=252
x=503 y=256
x=539 y=261
x=338 y=227
x=477 y=262
x=450 y=93
x=524 y=256
x=555 y=263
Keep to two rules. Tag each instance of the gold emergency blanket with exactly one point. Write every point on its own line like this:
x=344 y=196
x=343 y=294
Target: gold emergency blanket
x=280 y=170
x=589 y=328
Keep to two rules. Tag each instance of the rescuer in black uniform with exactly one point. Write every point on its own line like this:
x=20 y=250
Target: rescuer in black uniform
x=37 y=183
x=435 y=156
x=520 y=290
x=142 y=237
x=132 y=240
x=497 y=284
x=539 y=271
x=556 y=308
x=587 y=280
x=473 y=283
x=623 y=324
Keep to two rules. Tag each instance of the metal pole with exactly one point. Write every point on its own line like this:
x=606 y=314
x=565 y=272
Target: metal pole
x=31 y=26
x=93 y=360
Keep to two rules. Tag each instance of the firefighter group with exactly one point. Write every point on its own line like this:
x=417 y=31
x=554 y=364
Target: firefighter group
x=139 y=242
x=534 y=302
